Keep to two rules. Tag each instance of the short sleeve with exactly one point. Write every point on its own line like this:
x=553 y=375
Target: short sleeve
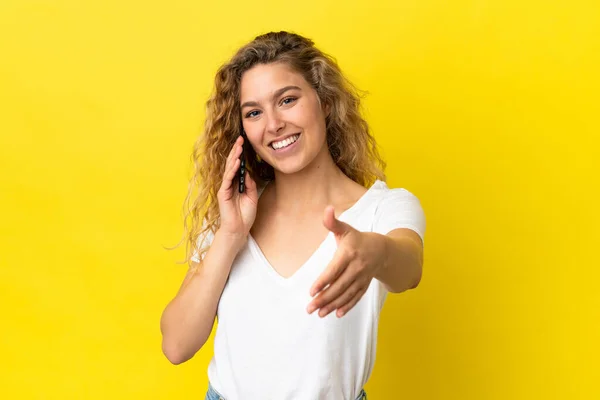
x=207 y=237
x=399 y=208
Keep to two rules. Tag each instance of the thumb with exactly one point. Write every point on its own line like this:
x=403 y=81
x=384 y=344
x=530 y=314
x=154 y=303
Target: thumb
x=339 y=228
x=251 y=188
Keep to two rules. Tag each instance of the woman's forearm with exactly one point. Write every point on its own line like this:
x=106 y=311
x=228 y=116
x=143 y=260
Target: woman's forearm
x=187 y=321
x=403 y=262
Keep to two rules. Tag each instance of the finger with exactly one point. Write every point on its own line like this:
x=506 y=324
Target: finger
x=333 y=224
x=332 y=293
x=348 y=306
x=341 y=300
x=333 y=270
x=251 y=188
x=232 y=164
x=335 y=289
x=231 y=151
x=234 y=152
x=230 y=175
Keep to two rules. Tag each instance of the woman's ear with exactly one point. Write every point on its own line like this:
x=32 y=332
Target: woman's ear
x=327 y=109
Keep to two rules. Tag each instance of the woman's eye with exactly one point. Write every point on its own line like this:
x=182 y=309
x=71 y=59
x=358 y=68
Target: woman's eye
x=288 y=100
x=252 y=114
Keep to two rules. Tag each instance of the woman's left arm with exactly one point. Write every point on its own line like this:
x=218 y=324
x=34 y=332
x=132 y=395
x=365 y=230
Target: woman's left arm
x=402 y=264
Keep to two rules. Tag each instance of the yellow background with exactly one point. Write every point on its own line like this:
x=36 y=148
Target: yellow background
x=487 y=110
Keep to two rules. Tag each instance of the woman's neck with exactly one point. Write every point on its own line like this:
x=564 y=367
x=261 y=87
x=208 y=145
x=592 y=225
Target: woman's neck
x=309 y=191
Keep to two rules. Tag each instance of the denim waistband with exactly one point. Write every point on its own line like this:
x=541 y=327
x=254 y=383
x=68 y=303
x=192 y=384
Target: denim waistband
x=212 y=394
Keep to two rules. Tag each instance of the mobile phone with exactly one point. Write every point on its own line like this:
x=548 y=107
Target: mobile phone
x=242 y=170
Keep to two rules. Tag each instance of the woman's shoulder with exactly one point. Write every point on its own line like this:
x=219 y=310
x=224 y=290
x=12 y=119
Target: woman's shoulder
x=383 y=191
x=398 y=207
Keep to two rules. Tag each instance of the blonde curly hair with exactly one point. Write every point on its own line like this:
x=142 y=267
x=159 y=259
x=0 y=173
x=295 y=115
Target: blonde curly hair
x=350 y=143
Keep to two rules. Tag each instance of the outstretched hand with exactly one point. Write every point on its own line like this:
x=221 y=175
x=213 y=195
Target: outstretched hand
x=358 y=258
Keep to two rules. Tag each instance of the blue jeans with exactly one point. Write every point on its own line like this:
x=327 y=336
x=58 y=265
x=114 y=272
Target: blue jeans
x=212 y=394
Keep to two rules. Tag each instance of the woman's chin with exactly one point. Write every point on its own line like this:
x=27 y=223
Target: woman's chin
x=288 y=168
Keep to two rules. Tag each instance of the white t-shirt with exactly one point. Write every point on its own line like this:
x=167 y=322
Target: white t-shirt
x=268 y=347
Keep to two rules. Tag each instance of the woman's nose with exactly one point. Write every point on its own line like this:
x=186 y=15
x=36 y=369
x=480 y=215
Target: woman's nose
x=275 y=124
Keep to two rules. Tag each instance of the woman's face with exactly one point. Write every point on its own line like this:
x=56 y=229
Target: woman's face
x=282 y=117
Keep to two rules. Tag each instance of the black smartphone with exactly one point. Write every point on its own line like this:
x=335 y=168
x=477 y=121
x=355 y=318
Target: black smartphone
x=242 y=170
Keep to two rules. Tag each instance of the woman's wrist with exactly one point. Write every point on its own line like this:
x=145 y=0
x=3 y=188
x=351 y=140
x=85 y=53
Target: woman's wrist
x=235 y=240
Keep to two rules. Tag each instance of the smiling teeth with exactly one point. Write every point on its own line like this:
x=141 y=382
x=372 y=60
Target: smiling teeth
x=285 y=143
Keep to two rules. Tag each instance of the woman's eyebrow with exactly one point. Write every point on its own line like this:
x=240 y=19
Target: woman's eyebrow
x=277 y=93
x=284 y=89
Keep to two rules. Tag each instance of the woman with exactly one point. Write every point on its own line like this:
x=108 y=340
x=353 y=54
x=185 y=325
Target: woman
x=296 y=267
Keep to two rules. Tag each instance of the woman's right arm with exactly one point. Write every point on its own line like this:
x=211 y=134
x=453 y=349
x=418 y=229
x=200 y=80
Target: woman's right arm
x=188 y=319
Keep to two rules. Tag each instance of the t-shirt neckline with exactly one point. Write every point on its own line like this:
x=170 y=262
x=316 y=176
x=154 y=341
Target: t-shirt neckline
x=260 y=256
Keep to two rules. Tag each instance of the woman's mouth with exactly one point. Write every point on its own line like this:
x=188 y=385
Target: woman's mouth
x=285 y=144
